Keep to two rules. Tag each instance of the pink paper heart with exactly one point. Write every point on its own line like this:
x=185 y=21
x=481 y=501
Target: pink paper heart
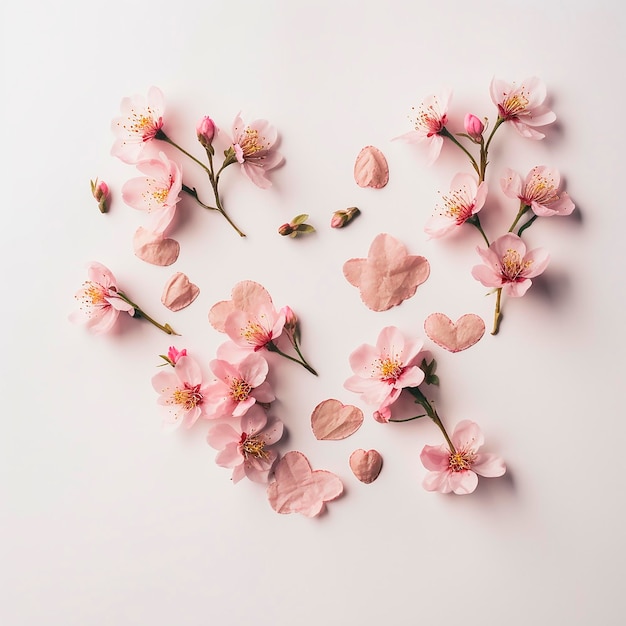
x=389 y=275
x=371 y=169
x=463 y=334
x=333 y=420
x=246 y=296
x=154 y=248
x=298 y=489
x=366 y=465
x=179 y=292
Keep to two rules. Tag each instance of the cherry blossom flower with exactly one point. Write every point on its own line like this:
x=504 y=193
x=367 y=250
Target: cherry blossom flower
x=539 y=191
x=522 y=105
x=238 y=386
x=254 y=149
x=157 y=192
x=100 y=301
x=456 y=470
x=141 y=122
x=174 y=354
x=508 y=266
x=245 y=448
x=465 y=199
x=181 y=389
x=382 y=371
x=430 y=122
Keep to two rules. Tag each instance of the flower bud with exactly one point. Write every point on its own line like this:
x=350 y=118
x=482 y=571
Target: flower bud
x=341 y=218
x=290 y=318
x=205 y=131
x=473 y=127
x=100 y=191
x=285 y=229
x=173 y=354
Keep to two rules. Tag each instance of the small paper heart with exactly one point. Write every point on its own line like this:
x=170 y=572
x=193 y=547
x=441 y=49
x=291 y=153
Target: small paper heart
x=366 y=465
x=154 y=248
x=371 y=169
x=333 y=420
x=463 y=334
x=179 y=292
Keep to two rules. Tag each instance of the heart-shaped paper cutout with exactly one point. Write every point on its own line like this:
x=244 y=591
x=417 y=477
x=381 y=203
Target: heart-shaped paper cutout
x=463 y=334
x=333 y=420
x=154 y=248
x=389 y=275
x=371 y=169
x=179 y=292
x=366 y=465
x=298 y=489
x=246 y=296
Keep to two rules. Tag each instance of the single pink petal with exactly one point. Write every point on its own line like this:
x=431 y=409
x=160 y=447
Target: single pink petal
x=229 y=456
x=371 y=169
x=254 y=420
x=272 y=431
x=119 y=304
x=154 y=248
x=508 y=242
x=179 y=292
x=539 y=259
x=517 y=289
x=188 y=370
x=511 y=184
x=263 y=393
x=467 y=434
x=98 y=273
x=435 y=458
x=463 y=483
x=489 y=465
x=487 y=276
x=256 y=175
x=221 y=435
x=437 y=481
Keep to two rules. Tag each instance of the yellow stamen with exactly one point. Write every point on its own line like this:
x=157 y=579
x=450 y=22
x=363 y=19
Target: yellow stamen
x=239 y=389
x=513 y=265
x=253 y=447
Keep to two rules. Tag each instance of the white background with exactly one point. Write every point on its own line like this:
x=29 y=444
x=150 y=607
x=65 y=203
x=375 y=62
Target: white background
x=107 y=520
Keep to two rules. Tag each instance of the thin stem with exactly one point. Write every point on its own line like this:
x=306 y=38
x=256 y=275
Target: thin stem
x=194 y=194
x=272 y=347
x=304 y=361
x=409 y=419
x=528 y=224
x=444 y=132
x=474 y=220
x=166 y=328
x=523 y=208
x=497 y=316
x=493 y=132
x=161 y=135
x=432 y=413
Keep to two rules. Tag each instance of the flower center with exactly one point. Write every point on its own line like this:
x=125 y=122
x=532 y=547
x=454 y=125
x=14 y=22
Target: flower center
x=252 y=447
x=239 y=389
x=94 y=294
x=144 y=124
x=429 y=119
x=513 y=265
x=250 y=143
x=255 y=334
x=389 y=369
x=462 y=460
x=189 y=396
x=160 y=195
x=540 y=189
x=457 y=206
x=513 y=105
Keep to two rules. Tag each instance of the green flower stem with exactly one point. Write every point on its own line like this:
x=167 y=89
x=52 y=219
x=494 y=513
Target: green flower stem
x=420 y=398
x=408 y=419
x=528 y=224
x=163 y=137
x=444 y=132
x=493 y=132
x=523 y=208
x=272 y=347
x=166 y=328
x=194 y=194
x=474 y=220
x=497 y=316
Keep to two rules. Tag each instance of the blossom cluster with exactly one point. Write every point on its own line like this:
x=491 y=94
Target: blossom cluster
x=238 y=398
x=507 y=265
x=157 y=191
x=396 y=364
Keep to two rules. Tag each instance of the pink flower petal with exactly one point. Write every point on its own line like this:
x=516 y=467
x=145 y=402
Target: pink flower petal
x=371 y=169
x=435 y=458
x=467 y=434
x=298 y=489
x=179 y=292
x=366 y=465
x=388 y=276
x=463 y=483
x=154 y=248
x=489 y=465
x=245 y=296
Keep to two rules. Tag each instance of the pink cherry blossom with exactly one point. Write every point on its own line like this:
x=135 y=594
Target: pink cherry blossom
x=100 y=302
x=157 y=192
x=457 y=470
x=254 y=149
x=465 y=199
x=382 y=371
x=540 y=191
x=474 y=127
x=182 y=391
x=507 y=265
x=141 y=122
x=174 y=355
x=522 y=105
x=205 y=131
x=430 y=122
x=238 y=386
x=245 y=448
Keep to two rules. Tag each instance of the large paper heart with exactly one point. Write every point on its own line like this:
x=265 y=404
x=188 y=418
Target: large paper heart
x=155 y=248
x=366 y=465
x=298 y=489
x=179 y=292
x=463 y=334
x=332 y=420
x=389 y=275
x=371 y=169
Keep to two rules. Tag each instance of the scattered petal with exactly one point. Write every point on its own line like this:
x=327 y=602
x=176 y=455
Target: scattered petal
x=179 y=292
x=371 y=169
x=332 y=420
x=298 y=489
x=389 y=275
x=366 y=466
x=454 y=336
x=155 y=248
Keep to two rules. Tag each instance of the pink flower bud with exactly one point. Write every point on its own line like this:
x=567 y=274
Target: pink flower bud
x=473 y=126
x=290 y=318
x=173 y=354
x=205 y=131
x=341 y=218
x=100 y=191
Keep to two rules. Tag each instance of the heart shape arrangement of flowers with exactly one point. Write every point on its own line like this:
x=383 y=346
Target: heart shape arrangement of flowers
x=236 y=399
